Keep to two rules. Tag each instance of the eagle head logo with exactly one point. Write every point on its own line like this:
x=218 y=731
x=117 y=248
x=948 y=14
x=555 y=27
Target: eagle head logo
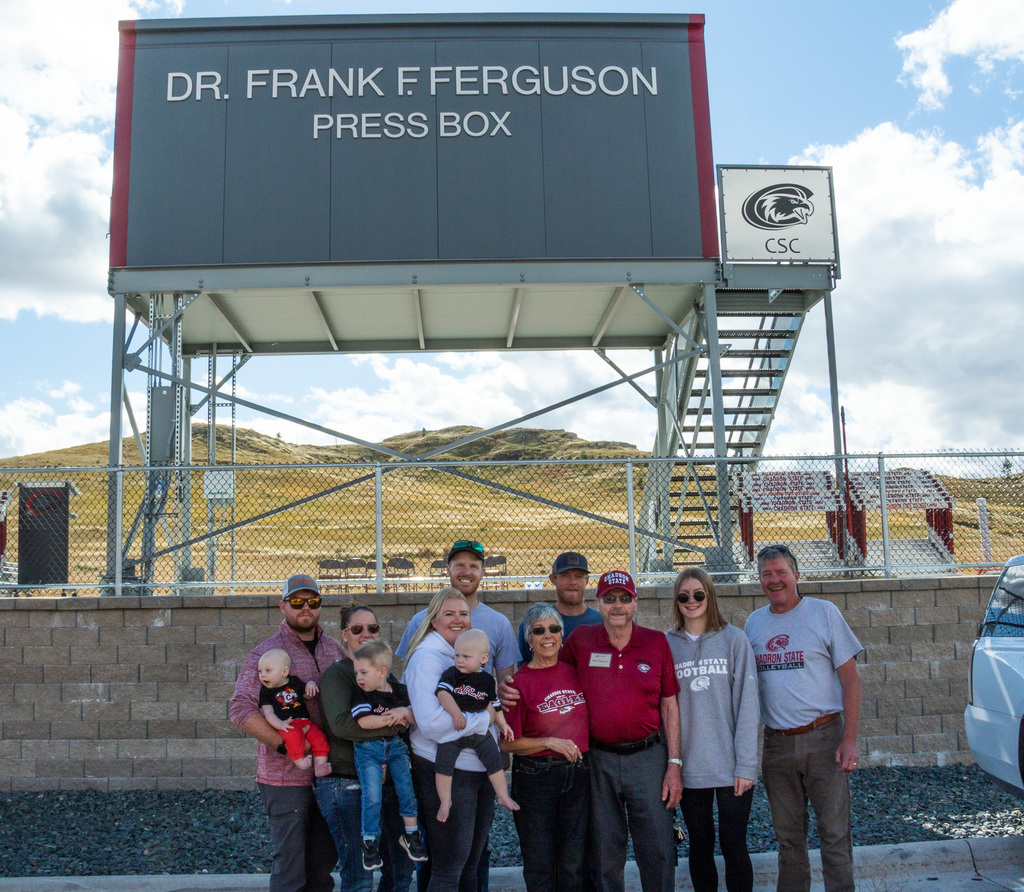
x=779 y=642
x=779 y=206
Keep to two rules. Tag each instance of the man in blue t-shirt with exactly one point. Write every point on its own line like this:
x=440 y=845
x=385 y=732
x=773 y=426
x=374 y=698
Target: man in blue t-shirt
x=569 y=576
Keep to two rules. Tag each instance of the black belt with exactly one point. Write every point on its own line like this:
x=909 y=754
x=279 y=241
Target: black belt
x=546 y=761
x=627 y=749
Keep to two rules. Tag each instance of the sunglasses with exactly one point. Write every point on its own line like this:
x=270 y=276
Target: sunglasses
x=684 y=598
x=769 y=549
x=468 y=543
x=299 y=603
x=551 y=630
x=624 y=598
x=357 y=629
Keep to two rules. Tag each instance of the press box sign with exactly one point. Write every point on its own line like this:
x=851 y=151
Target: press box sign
x=778 y=214
x=366 y=139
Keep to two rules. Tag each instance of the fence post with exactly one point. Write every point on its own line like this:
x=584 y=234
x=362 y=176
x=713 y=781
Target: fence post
x=885 y=516
x=378 y=506
x=986 y=537
x=118 y=521
x=629 y=513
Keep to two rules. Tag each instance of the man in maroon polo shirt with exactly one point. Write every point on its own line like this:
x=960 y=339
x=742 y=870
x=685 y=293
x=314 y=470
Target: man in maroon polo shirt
x=627 y=676
x=303 y=848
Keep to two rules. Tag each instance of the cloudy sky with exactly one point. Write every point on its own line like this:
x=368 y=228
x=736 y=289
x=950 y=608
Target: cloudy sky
x=917 y=106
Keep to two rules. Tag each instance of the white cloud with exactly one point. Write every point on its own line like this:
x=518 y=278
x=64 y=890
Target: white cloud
x=989 y=31
x=31 y=425
x=927 y=314
x=58 y=67
x=484 y=390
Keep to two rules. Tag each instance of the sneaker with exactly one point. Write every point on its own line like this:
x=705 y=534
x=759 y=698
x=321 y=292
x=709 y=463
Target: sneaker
x=413 y=845
x=371 y=855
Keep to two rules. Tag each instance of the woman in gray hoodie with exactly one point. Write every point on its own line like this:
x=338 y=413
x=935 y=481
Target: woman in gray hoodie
x=718 y=713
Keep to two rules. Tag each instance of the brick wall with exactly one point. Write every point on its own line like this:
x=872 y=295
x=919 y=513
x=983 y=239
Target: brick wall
x=132 y=693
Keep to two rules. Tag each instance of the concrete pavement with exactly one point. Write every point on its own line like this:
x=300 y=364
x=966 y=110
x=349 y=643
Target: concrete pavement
x=967 y=865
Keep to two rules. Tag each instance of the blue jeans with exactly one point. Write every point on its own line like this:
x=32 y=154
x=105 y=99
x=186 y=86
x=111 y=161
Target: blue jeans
x=554 y=815
x=371 y=756
x=339 y=801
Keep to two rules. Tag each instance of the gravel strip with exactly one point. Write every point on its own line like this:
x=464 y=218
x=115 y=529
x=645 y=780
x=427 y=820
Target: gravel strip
x=111 y=834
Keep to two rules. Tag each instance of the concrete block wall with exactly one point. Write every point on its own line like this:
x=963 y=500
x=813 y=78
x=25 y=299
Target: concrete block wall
x=131 y=693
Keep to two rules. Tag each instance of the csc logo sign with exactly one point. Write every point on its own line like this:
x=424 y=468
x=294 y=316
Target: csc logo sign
x=779 y=642
x=778 y=207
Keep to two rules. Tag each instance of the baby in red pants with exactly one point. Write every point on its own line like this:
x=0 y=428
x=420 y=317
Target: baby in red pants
x=282 y=704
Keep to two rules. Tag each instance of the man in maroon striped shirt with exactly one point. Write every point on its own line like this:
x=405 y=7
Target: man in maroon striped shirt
x=303 y=849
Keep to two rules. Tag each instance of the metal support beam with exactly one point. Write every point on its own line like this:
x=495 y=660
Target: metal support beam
x=723 y=559
x=513 y=319
x=114 y=456
x=322 y=316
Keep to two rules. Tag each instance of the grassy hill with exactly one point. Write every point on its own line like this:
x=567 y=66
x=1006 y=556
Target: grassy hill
x=253 y=448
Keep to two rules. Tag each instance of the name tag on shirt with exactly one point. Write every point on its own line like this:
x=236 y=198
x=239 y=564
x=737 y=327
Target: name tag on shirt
x=601 y=661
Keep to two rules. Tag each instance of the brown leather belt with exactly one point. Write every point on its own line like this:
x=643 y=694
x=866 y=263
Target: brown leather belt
x=819 y=722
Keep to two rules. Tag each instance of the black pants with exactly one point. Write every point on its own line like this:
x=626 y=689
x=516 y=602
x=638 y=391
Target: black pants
x=733 y=814
x=456 y=845
x=552 y=823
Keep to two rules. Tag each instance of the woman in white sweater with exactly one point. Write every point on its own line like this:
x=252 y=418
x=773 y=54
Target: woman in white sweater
x=455 y=844
x=718 y=714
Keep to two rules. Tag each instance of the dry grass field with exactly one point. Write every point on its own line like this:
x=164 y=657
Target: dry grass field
x=524 y=507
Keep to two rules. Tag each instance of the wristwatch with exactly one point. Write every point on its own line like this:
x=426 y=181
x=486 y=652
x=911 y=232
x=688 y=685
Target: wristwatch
x=678 y=762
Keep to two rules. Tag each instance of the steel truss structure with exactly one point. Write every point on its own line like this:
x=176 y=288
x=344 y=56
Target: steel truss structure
x=722 y=339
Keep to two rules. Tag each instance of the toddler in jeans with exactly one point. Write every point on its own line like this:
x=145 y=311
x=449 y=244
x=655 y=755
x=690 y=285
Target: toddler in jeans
x=283 y=706
x=467 y=687
x=383 y=703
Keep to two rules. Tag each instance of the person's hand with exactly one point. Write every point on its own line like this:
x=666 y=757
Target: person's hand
x=740 y=785
x=672 y=786
x=389 y=718
x=507 y=733
x=311 y=690
x=285 y=725
x=459 y=721
x=847 y=756
x=403 y=716
x=508 y=694
x=565 y=748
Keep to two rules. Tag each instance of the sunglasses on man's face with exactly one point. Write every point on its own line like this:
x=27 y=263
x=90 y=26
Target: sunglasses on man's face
x=623 y=597
x=770 y=549
x=357 y=629
x=470 y=544
x=551 y=630
x=299 y=603
x=684 y=598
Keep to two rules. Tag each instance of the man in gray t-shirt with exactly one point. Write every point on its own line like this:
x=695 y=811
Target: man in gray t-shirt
x=809 y=690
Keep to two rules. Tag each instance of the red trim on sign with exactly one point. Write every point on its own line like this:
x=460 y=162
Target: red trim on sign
x=122 y=147
x=702 y=133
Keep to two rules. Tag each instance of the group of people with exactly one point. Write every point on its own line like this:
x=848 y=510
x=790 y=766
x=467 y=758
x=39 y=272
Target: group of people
x=610 y=725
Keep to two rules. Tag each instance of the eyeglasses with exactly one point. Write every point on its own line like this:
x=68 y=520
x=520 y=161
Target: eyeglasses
x=468 y=543
x=299 y=603
x=551 y=630
x=684 y=598
x=768 y=549
x=624 y=598
x=357 y=629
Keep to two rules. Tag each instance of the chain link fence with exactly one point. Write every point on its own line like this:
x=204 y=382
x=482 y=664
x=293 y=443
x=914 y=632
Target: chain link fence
x=371 y=527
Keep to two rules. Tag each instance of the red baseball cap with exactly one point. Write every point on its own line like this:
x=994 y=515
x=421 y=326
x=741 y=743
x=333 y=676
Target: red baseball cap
x=615 y=579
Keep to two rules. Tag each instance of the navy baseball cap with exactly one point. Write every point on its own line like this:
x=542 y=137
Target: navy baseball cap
x=569 y=560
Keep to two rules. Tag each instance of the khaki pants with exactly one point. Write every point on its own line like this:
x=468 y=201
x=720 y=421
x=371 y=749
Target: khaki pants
x=801 y=769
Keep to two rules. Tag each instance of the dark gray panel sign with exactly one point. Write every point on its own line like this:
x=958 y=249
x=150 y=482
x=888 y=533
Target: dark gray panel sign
x=354 y=139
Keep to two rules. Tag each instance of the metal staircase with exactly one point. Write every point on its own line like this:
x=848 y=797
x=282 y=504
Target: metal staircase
x=757 y=336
